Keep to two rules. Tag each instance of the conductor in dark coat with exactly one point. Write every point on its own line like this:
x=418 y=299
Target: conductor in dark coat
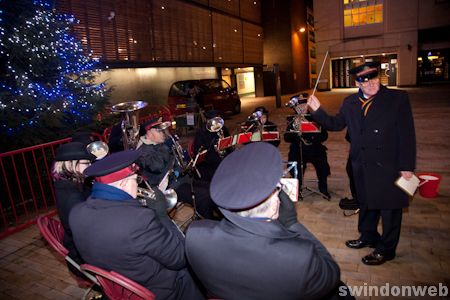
x=383 y=147
x=113 y=231
x=259 y=250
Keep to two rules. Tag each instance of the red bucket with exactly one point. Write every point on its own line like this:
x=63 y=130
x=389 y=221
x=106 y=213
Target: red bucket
x=429 y=184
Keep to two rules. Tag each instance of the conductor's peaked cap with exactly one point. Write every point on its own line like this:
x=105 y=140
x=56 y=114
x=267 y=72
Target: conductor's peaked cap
x=246 y=177
x=365 y=72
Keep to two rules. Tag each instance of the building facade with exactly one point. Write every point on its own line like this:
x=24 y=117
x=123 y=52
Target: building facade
x=288 y=44
x=396 y=33
x=149 y=44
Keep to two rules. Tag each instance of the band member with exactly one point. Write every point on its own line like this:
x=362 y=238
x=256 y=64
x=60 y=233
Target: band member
x=113 y=231
x=206 y=139
x=70 y=161
x=115 y=140
x=259 y=250
x=383 y=147
x=259 y=120
x=161 y=167
x=307 y=147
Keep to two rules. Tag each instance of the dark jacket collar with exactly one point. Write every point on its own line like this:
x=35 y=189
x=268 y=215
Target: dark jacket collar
x=272 y=229
x=108 y=192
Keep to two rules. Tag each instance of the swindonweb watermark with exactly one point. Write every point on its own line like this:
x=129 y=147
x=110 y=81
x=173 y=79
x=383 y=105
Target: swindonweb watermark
x=387 y=290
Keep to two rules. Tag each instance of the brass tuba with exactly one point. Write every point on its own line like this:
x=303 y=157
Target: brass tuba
x=130 y=121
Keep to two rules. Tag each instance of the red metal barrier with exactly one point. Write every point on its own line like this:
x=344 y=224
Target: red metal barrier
x=26 y=187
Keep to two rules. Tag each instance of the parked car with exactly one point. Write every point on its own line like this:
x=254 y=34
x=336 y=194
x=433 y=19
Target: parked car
x=190 y=95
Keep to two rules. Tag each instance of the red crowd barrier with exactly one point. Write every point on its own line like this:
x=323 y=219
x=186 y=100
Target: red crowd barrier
x=26 y=187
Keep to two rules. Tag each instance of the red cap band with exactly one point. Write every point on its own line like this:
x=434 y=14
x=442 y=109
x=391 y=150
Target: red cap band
x=149 y=126
x=115 y=176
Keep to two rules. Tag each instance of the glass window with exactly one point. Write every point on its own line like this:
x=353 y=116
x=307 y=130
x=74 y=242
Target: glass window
x=379 y=13
x=362 y=12
x=313 y=68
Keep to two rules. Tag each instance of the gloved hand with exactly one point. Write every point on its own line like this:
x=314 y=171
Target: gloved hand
x=287 y=213
x=159 y=205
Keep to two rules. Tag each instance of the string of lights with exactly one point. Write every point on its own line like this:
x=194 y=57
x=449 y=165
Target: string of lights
x=48 y=74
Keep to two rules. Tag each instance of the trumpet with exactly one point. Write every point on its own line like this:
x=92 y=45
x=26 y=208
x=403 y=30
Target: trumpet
x=215 y=125
x=149 y=194
x=98 y=148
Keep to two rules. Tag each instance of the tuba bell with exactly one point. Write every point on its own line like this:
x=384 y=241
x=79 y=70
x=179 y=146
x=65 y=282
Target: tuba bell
x=130 y=121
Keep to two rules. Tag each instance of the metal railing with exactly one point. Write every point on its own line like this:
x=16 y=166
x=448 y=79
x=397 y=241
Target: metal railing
x=26 y=187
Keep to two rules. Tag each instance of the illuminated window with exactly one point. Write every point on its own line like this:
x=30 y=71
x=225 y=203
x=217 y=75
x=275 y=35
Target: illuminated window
x=362 y=12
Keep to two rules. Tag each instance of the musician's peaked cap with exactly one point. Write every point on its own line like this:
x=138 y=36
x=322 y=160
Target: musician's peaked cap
x=261 y=109
x=73 y=151
x=365 y=71
x=112 y=164
x=246 y=177
x=152 y=123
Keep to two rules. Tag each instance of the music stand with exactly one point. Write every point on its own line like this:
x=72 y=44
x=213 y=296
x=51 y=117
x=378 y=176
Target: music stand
x=302 y=186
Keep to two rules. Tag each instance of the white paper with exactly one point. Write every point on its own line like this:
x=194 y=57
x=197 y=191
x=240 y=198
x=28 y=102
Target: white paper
x=290 y=187
x=190 y=119
x=408 y=186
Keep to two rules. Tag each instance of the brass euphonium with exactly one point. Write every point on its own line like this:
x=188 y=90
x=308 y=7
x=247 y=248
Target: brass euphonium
x=177 y=149
x=130 y=121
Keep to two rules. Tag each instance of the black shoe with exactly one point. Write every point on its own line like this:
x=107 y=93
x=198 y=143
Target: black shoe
x=375 y=259
x=349 y=204
x=358 y=244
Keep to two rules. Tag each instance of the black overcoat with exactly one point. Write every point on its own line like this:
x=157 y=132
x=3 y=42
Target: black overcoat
x=383 y=143
x=132 y=240
x=68 y=194
x=244 y=258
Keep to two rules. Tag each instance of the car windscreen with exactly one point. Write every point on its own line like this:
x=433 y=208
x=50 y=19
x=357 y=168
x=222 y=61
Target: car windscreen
x=213 y=85
x=181 y=88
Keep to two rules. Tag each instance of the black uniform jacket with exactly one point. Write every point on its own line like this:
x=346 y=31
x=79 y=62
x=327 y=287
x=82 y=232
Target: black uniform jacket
x=383 y=143
x=244 y=258
x=130 y=239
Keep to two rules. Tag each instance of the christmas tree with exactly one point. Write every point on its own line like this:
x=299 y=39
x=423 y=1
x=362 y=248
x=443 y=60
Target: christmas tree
x=47 y=79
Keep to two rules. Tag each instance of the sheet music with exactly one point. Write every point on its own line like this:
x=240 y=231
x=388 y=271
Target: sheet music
x=408 y=186
x=290 y=187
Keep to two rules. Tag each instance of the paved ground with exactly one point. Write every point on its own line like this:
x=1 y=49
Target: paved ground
x=30 y=270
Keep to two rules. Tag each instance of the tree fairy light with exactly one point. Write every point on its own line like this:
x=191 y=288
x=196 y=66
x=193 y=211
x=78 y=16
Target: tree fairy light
x=47 y=79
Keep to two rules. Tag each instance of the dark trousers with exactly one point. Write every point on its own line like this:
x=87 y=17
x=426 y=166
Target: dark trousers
x=203 y=202
x=349 y=170
x=391 y=220
x=322 y=168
